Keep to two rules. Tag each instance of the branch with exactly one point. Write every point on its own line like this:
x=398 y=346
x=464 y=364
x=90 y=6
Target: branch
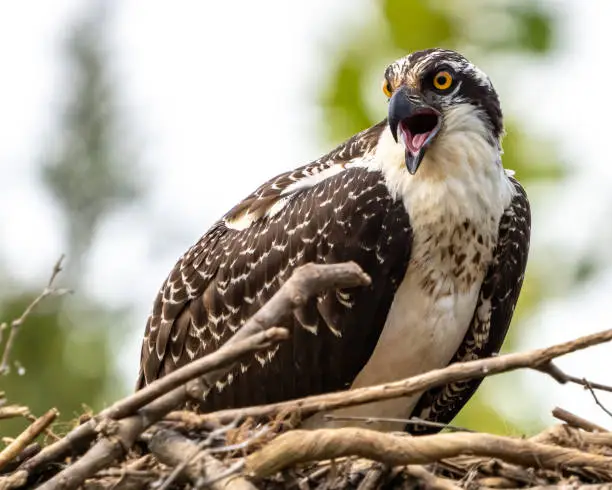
x=13 y=450
x=13 y=411
x=175 y=450
x=308 y=280
x=576 y=421
x=122 y=434
x=562 y=377
x=430 y=480
x=301 y=446
x=599 y=404
x=18 y=322
x=156 y=400
x=410 y=421
x=416 y=384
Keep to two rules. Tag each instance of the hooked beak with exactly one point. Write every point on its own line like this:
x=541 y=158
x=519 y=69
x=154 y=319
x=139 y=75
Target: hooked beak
x=415 y=123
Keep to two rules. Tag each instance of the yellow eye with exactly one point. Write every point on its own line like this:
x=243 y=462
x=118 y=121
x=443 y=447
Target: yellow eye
x=442 y=80
x=386 y=88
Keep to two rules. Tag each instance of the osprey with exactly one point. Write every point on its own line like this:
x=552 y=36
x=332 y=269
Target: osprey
x=420 y=201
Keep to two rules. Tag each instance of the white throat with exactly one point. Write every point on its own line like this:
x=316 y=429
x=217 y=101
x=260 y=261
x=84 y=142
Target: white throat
x=460 y=177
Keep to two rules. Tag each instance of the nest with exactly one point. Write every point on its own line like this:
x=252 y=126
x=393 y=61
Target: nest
x=185 y=450
x=141 y=441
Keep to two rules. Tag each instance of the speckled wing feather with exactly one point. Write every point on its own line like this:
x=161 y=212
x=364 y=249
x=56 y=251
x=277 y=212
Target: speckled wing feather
x=498 y=297
x=230 y=273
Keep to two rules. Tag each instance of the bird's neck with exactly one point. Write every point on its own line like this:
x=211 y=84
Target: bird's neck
x=460 y=179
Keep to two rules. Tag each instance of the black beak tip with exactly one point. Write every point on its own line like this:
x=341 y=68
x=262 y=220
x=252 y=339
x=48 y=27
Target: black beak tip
x=393 y=128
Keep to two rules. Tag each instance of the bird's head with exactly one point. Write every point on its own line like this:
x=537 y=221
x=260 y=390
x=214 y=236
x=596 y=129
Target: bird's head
x=435 y=93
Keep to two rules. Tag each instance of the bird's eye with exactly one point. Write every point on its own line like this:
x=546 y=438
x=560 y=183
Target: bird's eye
x=442 y=80
x=386 y=88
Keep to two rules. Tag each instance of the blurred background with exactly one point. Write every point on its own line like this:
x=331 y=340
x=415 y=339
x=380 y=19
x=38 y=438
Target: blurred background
x=129 y=127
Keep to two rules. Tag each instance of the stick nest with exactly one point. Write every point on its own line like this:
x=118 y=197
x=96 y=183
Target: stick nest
x=185 y=450
x=145 y=440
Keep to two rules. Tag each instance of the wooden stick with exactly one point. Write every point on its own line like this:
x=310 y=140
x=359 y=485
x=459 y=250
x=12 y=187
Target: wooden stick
x=576 y=421
x=302 y=446
x=123 y=433
x=438 y=377
x=305 y=282
x=430 y=480
x=12 y=411
x=172 y=449
x=18 y=322
x=13 y=450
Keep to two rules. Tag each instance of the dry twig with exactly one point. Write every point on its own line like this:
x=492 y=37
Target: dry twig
x=125 y=431
x=13 y=411
x=18 y=322
x=430 y=480
x=410 y=421
x=306 y=281
x=576 y=421
x=173 y=449
x=300 y=446
x=562 y=377
x=13 y=450
x=437 y=377
x=589 y=387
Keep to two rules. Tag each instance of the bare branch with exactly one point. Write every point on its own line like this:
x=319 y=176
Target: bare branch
x=562 y=377
x=301 y=446
x=13 y=450
x=431 y=481
x=410 y=421
x=123 y=433
x=50 y=290
x=576 y=421
x=601 y=405
x=13 y=411
x=438 y=377
x=160 y=440
x=172 y=391
x=187 y=457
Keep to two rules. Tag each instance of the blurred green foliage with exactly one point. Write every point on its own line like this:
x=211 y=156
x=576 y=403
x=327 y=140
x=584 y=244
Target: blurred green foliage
x=63 y=356
x=486 y=32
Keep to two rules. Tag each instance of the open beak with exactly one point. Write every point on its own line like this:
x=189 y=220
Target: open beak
x=415 y=123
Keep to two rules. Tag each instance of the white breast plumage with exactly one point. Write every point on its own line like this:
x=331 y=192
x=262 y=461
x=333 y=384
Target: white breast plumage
x=455 y=224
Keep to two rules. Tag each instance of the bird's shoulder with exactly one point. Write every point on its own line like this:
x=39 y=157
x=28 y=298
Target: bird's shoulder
x=350 y=155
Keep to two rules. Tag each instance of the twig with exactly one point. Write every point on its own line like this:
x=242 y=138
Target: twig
x=170 y=448
x=305 y=282
x=411 y=421
x=576 y=421
x=230 y=448
x=125 y=432
x=562 y=377
x=430 y=480
x=222 y=479
x=438 y=377
x=13 y=411
x=18 y=322
x=601 y=405
x=14 y=480
x=162 y=436
x=27 y=453
x=13 y=450
x=301 y=446
x=373 y=477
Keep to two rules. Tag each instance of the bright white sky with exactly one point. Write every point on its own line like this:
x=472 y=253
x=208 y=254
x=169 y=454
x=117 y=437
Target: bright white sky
x=189 y=68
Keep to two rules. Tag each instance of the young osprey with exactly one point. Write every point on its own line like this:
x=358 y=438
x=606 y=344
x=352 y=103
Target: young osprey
x=420 y=201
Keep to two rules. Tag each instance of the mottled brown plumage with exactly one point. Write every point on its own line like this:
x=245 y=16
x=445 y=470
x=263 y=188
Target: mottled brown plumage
x=446 y=248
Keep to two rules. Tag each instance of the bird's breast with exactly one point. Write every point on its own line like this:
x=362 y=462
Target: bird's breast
x=429 y=316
